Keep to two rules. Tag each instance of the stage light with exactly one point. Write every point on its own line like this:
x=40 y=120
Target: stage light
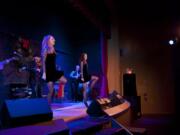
x=171 y=42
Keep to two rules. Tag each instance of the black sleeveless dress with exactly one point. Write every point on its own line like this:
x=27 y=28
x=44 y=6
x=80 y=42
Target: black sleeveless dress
x=86 y=75
x=52 y=75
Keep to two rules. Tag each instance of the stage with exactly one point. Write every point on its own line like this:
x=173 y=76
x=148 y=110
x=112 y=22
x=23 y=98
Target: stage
x=69 y=111
x=68 y=117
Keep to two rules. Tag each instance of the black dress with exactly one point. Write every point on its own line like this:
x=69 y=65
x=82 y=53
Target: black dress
x=52 y=75
x=86 y=75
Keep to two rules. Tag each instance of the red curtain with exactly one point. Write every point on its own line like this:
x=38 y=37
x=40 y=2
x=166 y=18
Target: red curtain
x=104 y=65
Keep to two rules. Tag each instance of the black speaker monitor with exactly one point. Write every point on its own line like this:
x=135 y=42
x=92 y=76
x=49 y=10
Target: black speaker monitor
x=25 y=111
x=95 y=109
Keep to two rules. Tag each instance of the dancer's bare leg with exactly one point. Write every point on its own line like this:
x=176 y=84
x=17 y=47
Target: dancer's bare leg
x=94 y=79
x=85 y=94
x=50 y=93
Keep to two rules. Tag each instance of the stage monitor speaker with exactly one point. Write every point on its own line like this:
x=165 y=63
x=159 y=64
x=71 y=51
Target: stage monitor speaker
x=25 y=111
x=95 y=109
x=129 y=85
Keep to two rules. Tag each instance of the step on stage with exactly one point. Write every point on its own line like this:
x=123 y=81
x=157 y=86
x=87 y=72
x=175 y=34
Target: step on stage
x=72 y=118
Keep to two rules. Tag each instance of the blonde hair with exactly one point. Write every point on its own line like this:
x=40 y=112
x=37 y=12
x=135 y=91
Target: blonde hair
x=44 y=47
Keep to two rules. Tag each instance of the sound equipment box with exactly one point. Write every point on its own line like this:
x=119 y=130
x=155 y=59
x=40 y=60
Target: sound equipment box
x=129 y=85
x=135 y=105
x=25 y=111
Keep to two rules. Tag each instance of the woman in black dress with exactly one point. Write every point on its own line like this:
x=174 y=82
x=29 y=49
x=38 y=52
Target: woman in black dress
x=86 y=77
x=50 y=74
